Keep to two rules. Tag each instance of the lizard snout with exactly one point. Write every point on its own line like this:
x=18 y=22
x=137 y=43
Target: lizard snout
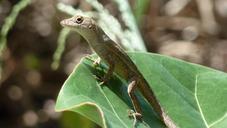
x=67 y=23
x=63 y=22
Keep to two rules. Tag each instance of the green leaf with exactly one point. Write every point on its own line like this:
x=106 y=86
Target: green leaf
x=192 y=95
x=71 y=119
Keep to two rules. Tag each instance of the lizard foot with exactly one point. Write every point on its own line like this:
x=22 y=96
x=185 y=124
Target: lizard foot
x=96 y=61
x=136 y=116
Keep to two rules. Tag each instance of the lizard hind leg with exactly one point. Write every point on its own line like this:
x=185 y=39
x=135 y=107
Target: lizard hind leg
x=131 y=92
x=110 y=71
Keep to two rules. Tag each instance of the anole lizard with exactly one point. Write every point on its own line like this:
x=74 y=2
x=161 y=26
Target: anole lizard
x=118 y=61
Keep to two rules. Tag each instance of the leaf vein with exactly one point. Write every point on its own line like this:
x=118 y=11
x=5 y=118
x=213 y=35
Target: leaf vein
x=186 y=101
x=219 y=120
x=198 y=104
x=111 y=106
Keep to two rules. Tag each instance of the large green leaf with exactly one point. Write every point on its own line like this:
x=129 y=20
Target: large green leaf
x=192 y=95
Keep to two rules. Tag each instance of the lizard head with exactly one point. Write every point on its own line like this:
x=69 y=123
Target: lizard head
x=83 y=25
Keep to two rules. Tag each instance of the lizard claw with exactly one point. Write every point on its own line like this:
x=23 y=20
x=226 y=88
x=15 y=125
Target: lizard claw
x=102 y=81
x=97 y=61
x=89 y=58
x=135 y=115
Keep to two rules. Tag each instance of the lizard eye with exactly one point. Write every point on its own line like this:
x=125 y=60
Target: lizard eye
x=79 y=19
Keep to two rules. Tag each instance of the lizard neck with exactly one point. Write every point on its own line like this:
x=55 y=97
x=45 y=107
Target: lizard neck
x=97 y=39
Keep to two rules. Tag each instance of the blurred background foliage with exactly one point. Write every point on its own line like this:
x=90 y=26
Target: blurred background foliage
x=33 y=44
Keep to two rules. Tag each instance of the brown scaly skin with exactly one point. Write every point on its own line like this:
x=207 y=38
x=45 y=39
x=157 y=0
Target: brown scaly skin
x=118 y=62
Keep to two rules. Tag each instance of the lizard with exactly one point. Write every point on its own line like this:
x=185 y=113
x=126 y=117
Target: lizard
x=118 y=62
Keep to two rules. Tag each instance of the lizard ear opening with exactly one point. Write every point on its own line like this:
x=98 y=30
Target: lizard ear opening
x=91 y=27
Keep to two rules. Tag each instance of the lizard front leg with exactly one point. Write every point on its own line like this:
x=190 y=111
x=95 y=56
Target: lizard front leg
x=96 y=61
x=110 y=71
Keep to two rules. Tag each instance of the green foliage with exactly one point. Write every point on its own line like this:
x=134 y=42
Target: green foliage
x=10 y=21
x=8 y=24
x=71 y=119
x=60 y=48
x=130 y=22
x=192 y=95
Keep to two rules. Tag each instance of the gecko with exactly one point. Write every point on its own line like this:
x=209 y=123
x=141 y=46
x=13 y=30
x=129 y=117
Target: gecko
x=118 y=62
